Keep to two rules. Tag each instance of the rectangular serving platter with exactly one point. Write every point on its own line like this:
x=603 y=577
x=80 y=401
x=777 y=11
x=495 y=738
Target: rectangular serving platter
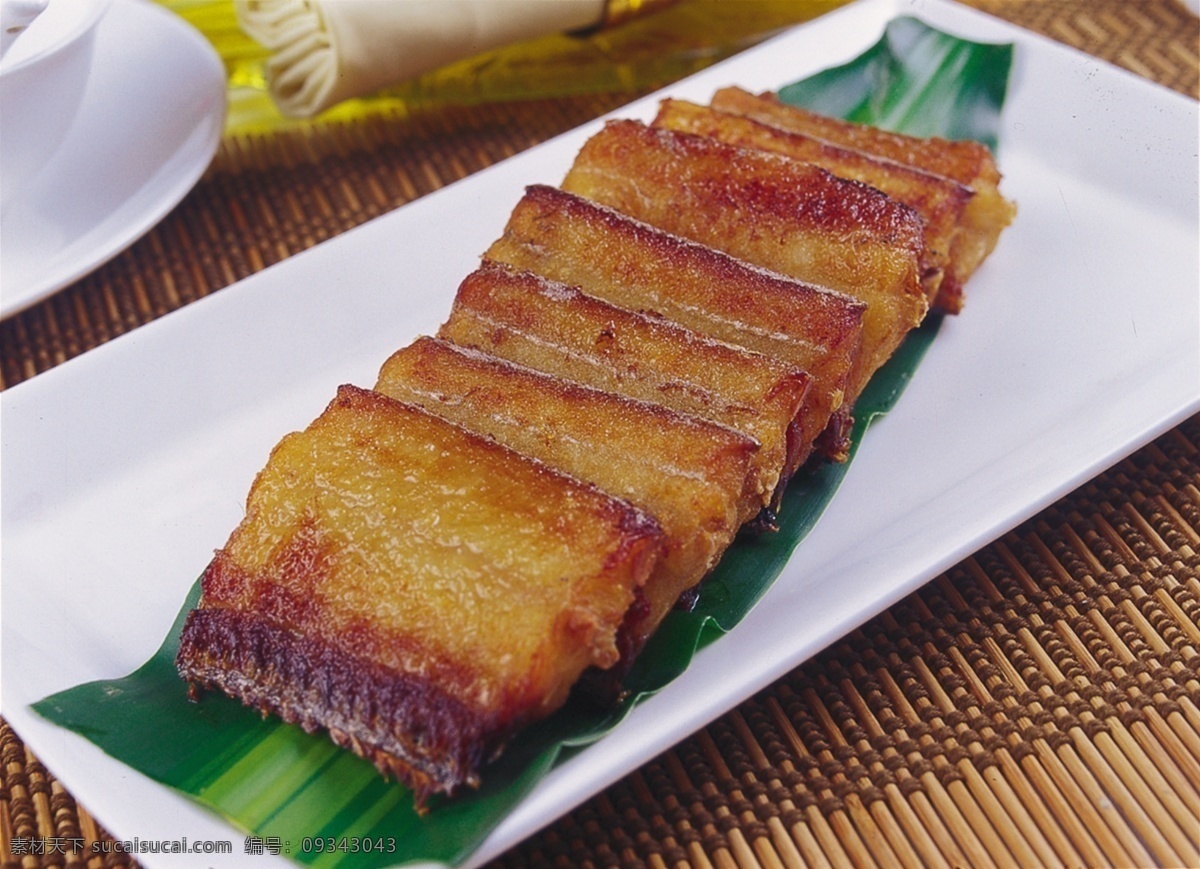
x=125 y=467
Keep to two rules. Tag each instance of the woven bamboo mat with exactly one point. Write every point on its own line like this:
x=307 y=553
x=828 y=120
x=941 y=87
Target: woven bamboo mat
x=1035 y=705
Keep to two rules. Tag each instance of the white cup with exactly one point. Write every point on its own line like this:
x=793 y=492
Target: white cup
x=44 y=72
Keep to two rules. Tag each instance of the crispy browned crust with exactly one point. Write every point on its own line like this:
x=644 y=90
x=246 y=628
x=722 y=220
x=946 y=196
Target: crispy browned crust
x=558 y=329
x=432 y=566
x=939 y=200
x=689 y=473
x=783 y=214
x=633 y=265
x=318 y=608
x=966 y=162
x=402 y=723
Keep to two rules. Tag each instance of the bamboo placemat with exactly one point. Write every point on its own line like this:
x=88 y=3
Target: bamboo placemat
x=1035 y=705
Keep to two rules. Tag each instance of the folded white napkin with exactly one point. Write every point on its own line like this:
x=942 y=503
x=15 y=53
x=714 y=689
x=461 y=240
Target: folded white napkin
x=326 y=51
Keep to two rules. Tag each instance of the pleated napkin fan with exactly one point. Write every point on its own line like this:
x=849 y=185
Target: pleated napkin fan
x=327 y=51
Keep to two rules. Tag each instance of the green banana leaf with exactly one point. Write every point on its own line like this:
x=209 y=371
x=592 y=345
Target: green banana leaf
x=915 y=80
x=297 y=794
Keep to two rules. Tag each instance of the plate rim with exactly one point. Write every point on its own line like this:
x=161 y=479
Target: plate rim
x=503 y=837
x=168 y=191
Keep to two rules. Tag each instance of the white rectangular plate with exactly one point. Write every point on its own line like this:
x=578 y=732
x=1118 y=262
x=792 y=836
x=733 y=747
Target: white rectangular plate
x=126 y=467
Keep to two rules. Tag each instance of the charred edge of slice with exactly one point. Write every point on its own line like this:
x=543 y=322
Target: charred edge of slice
x=834 y=440
x=604 y=688
x=404 y=725
x=424 y=714
x=833 y=444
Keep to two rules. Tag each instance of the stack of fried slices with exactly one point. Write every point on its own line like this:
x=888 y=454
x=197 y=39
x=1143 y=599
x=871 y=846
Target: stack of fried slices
x=642 y=361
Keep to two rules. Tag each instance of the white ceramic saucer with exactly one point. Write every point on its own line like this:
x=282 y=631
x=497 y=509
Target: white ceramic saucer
x=151 y=122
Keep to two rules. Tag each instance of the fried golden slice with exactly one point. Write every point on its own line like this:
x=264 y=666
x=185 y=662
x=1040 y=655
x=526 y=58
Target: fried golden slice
x=792 y=217
x=555 y=328
x=967 y=162
x=940 y=201
x=632 y=265
x=686 y=472
x=414 y=589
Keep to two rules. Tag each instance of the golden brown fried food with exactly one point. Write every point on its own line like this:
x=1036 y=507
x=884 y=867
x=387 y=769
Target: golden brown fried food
x=637 y=368
x=688 y=473
x=792 y=217
x=939 y=200
x=414 y=589
x=967 y=162
x=557 y=329
x=632 y=265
